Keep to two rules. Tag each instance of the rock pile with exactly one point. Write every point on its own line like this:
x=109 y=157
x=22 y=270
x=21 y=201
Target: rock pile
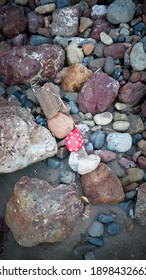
x=67 y=64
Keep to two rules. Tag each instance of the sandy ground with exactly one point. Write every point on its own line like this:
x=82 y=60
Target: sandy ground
x=124 y=246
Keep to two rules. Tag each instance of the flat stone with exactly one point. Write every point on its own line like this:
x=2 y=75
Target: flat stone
x=23 y=142
x=133 y=175
x=96 y=229
x=97 y=93
x=106 y=39
x=60 y=125
x=88 y=163
x=75 y=157
x=73 y=77
x=103 y=118
x=140 y=208
x=73 y=53
x=27 y=63
x=121 y=11
x=44 y=9
x=102 y=186
x=121 y=125
x=119 y=142
x=138 y=57
x=39 y=212
x=65 y=21
x=132 y=93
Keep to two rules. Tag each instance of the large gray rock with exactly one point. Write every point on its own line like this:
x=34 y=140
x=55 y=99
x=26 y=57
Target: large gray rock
x=121 y=11
x=140 y=208
x=22 y=141
x=38 y=212
x=65 y=21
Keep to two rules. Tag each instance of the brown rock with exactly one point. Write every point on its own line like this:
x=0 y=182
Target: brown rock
x=73 y=77
x=22 y=141
x=13 y=21
x=35 y=21
x=116 y=50
x=60 y=125
x=140 y=208
x=102 y=186
x=98 y=93
x=132 y=93
x=65 y=21
x=142 y=162
x=99 y=26
x=88 y=49
x=27 y=63
x=39 y=212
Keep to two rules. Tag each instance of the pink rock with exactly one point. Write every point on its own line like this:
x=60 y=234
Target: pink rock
x=24 y=64
x=143 y=108
x=142 y=162
x=99 y=26
x=98 y=93
x=132 y=93
x=39 y=212
x=116 y=50
x=102 y=186
x=105 y=155
x=13 y=21
x=35 y=21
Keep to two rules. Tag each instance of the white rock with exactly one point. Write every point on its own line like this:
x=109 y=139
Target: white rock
x=121 y=125
x=106 y=39
x=75 y=157
x=103 y=118
x=88 y=164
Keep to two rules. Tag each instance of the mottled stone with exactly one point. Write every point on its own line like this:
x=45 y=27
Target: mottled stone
x=39 y=212
x=133 y=175
x=121 y=11
x=119 y=142
x=98 y=93
x=65 y=21
x=138 y=57
x=102 y=186
x=99 y=26
x=73 y=53
x=13 y=21
x=116 y=51
x=88 y=163
x=35 y=22
x=132 y=93
x=140 y=208
x=73 y=77
x=27 y=63
x=60 y=125
x=22 y=141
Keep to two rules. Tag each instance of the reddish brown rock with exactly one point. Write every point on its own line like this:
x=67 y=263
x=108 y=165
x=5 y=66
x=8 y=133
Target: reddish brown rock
x=102 y=186
x=60 y=125
x=140 y=208
x=72 y=78
x=142 y=162
x=99 y=26
x=24 y=64
x=98 y=93
x=13 y=21
x=143 y=108
x=116 y=50
x=132 y=93
x=35 y=21
x=39 y=212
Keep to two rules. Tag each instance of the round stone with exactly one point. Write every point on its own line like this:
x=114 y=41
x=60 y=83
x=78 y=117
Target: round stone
x=113 y=228
x=103 y=118
x=96 y=229
x=121 y=125
x=119 y=142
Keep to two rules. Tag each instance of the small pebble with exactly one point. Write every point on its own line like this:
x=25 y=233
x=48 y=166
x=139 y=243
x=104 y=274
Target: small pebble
x=113 y=228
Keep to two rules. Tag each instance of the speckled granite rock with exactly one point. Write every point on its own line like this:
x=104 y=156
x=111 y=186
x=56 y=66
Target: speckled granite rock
x=39 y=212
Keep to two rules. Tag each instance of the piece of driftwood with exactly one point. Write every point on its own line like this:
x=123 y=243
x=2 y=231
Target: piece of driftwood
x=50 y=100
